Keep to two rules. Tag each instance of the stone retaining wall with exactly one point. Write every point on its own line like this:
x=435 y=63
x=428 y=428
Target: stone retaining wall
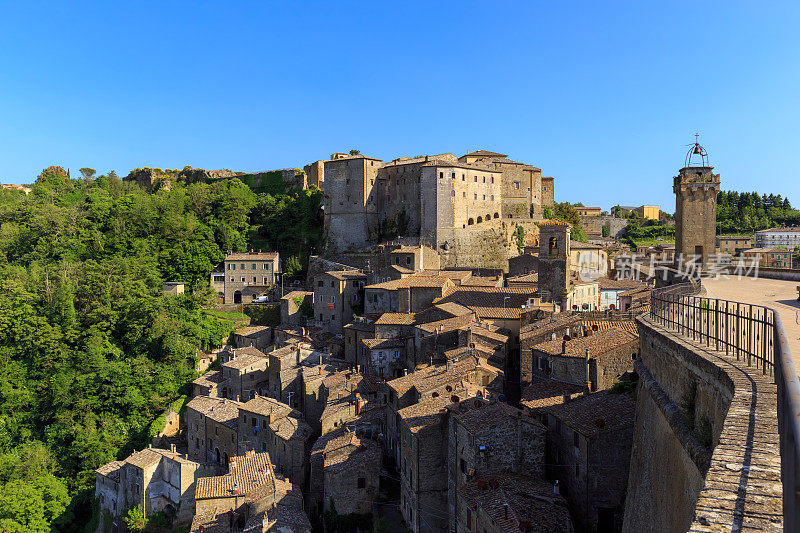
x=705 y=452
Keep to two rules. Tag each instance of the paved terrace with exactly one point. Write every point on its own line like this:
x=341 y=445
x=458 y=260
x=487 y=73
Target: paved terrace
x=778 y=294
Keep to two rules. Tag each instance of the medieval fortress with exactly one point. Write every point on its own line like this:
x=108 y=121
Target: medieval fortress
x=467 y=208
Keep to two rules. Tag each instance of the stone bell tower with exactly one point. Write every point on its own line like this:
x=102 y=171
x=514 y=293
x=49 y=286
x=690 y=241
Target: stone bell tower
x=696 y=189
x=554 y=261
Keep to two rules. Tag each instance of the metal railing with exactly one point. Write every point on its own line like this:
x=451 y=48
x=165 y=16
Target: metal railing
x=753 y=334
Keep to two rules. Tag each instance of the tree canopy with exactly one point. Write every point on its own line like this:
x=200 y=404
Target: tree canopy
x=92 y=350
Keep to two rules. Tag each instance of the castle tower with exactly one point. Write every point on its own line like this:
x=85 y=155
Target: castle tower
x=696 y=189
x=554 y=260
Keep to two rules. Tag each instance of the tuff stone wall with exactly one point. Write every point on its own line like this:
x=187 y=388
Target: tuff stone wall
x=594 y=225
x=713 y=420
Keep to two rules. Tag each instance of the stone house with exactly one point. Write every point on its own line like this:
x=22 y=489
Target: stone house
x=338 y=295
x=768 y=257
x=211 y=429
x=293 y=305
x=383 y=357
x=156 y=480
x=508 y=502
x=597 y=360
x=208 y=384
x=362 y=327
x=388 y=273
x=350 y=470
x=244 y=374
x=530 y=280
x=589 y=443
x=173 y=288
x=245 y=275
x=588 y=260
x=432 y=382
x=549 y=328
x=259 y=337
x=542 y=393
x=369 y=426
x=408 y=295
x=733 y=244
x=267 y=425
x=487 y=438
x=250 y=497
x=415 y=258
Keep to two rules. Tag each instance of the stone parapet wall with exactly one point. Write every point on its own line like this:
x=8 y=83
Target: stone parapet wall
x=712 y=420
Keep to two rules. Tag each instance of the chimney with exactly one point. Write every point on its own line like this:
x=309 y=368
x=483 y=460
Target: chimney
x=505 y=510
x=588 y=374
x=358 y=404
x=237 y=397
x=555 y=489
x=172 y=448
x=563 y=347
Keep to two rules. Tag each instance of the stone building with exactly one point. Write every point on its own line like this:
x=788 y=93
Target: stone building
x=510 y=503
x=211 y=429
x=696 y=189
x=549 y=328
x=337 y=295
x=407 y=295
x=733 y=244
x=434 y=382
x=250 y=497
x=208 y=384
x=245 y=275
x=453 y=205
x=589 y=443
x=415 y=258
x=596 y=360
x=259 y=337
x=488 y=438
x=768 y=257
x=267 y=425
x=589 y=260
x=294 y=306
x=156 y=480
x=345 y=469
x=244 y=373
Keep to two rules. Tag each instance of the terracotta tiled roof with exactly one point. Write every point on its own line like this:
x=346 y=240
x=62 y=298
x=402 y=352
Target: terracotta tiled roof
x=545 y=392
x=554 y=222
x=383 y=344
x=484 y=153
x=529 y=502
x=482 y=281
x=245 y=360
x=365 y=451
x=246 y=474
x=597 y=344
x=453 y=308
x=427 y=412
x=264 y=406
x=491 y=302
x=289 y=428
x=578 y=245
x=346 y=274
x=210 y=378
x=111 y=470
x=612 y=411
x=254 y=331
x=532 y=277
x=602 y=325
x=489 y=415
x=218 y=409
x=548 y=324
x=404 y=319
x=412 y=281
x=435 y=376
x=447 y=324
x=248 y=350
x=606 y=284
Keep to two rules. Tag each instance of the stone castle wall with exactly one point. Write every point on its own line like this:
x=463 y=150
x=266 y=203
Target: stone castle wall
x=594 y=225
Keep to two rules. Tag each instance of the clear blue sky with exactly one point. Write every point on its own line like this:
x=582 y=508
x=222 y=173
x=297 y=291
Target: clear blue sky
x=602 y=95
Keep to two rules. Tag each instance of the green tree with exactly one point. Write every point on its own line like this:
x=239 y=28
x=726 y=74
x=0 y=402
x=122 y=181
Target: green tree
x=135 y=519
x=88 y=173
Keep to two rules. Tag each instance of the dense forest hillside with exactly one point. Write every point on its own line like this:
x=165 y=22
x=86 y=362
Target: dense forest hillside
x=747 y=212
x=91 y=350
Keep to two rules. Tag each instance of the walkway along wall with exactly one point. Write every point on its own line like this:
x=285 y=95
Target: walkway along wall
x=705 y=453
